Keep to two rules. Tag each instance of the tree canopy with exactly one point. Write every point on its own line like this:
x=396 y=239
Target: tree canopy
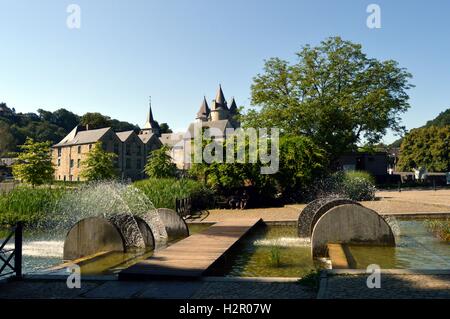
x=48 y=126
x=159 y=164
x=34 y=165
x=99 y=164
x=427 y=147
x=334 y=94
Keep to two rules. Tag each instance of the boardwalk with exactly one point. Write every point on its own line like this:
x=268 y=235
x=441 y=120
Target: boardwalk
x=192 y=256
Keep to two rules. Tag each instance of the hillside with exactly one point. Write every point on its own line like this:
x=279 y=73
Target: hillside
x=443 y=119
x=47 y=126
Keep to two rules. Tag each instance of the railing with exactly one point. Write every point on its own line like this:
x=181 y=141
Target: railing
x=7 y=255
x=183 y=206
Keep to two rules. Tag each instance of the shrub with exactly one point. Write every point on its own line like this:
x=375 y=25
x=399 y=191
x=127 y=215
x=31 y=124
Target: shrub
x=164 y=191
x=30 y=205
x=355 y=185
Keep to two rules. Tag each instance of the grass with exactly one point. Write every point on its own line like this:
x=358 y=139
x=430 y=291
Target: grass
x=440 y=228
x=163 y=191
x=27 y=204
x=275 y=256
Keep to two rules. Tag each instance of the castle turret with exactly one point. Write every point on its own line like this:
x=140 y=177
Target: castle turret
x=219 y=108
x=203 y=113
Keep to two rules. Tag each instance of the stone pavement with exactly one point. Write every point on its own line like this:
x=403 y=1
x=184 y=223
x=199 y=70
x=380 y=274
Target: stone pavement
x=340 y=284
x=230 y=289
x=401 y=284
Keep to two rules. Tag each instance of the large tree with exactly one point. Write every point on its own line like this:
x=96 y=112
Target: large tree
x=427 y=147
x=99 y=164
x=34 y=164
x=334 y=94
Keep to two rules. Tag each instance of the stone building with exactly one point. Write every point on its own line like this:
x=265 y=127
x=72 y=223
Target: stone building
x=131 y=149
x=219 y=117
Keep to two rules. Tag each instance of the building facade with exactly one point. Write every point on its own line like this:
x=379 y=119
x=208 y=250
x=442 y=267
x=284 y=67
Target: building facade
x=132 y=150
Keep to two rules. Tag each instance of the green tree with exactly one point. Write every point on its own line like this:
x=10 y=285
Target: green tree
x=301 y=162
x=34 y=165
x=7 y=141
x=426 y=147
x=334 y=94
x=164 y=127
x=443 y=119
x=95 y=120
x=159 y=164
x=99 y=164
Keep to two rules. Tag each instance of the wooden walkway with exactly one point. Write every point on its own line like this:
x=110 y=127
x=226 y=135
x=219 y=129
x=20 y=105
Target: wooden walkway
x=192 y=256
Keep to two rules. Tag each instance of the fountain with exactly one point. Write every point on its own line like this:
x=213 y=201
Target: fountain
x=349 y=224
x=315 y=209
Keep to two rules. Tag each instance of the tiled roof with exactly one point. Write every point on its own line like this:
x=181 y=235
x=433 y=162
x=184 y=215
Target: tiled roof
x=83 y=137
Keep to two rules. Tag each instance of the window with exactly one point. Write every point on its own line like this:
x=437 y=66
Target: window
x=138 y=163
x=90 y=146
x=64 y=177
x=79 y=149
x=78 y=163
x=59 y=151
x=70 y=178
x=128 y=163
x=71 y=163
x=78 y=178
x=59 y=162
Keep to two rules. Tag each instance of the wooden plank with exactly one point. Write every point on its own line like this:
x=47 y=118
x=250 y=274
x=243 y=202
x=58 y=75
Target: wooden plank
x=192 y=256
x=337 y=256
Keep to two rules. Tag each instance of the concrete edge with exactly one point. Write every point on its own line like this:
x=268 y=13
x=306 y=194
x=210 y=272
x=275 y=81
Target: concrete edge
x=62 y=277
x=343 y=272
x=249 y=279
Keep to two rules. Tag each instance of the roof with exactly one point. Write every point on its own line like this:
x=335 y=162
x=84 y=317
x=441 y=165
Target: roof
x=150 y=123
x=233 y=106
x=221 y=125
x=171 y=139
x=76 y=136
x=123 y=136
x=204 y=109
x=145 y=138
x=220 y=99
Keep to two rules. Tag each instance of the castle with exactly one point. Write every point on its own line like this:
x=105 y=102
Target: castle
x=132 y=149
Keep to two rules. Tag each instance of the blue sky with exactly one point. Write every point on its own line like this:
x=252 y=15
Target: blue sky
x=177 y=51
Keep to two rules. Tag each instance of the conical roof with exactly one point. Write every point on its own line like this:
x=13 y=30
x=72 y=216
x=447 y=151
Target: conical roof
x=203 y=112
x=220 y=98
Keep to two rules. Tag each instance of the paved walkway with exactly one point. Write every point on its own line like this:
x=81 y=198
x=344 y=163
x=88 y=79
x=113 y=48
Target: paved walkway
x=241 y=289
x=405 y=203
x=398 y=285
x=395 y=285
